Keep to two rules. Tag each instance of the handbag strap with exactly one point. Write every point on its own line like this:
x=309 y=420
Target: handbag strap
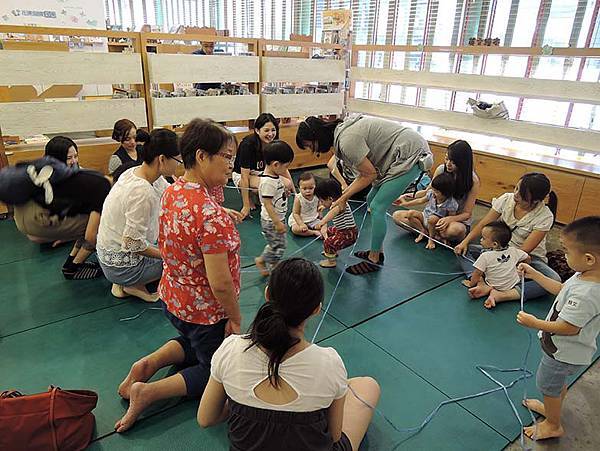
x=52 y=428
x=10 y=394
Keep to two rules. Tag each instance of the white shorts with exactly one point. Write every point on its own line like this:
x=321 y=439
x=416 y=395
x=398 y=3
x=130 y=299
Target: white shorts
x=310 y=224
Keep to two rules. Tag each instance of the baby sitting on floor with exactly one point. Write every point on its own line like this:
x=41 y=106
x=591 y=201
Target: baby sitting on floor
x=495 y=270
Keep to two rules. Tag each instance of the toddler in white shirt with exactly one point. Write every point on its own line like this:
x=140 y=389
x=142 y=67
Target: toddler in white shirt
x=496 y=268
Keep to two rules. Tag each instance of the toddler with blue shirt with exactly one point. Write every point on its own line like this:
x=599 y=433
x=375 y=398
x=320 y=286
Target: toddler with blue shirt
x=440 y=204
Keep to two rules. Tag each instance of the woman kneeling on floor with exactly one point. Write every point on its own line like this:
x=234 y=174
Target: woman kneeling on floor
x=128 y=231
x=278 y=391
x=200 y=284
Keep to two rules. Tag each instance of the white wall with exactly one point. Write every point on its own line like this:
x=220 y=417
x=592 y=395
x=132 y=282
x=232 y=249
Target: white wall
x=53 y=13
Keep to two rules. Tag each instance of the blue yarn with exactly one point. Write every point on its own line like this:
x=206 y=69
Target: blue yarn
x=341 y=276
x=485 y=370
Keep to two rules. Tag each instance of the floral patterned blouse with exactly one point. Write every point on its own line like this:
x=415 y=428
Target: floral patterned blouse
x=192 y=224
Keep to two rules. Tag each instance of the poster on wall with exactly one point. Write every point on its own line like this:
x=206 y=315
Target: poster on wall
x=53 y=13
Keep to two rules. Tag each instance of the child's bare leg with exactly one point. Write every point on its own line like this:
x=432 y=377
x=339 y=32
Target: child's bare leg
x=170 y=353
x=496 y=296
x=551 y=427
x=141 y=395
x=297 y=231
x=467 y=283
x=431 y=222
x=415 y=219
x=537 y=406
x=261 y=265
x=480 y=290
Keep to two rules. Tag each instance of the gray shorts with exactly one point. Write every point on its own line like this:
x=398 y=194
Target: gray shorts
x=146 y=271
x=552 y=375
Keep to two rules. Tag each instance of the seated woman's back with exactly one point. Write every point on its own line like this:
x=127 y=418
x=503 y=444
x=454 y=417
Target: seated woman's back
x=309 y=379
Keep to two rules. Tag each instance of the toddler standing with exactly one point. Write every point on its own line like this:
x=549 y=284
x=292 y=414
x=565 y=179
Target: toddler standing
x=568 y=334
x=344 y=231
x=277 y=156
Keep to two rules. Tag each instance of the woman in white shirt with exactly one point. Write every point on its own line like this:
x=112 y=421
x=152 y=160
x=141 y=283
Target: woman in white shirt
x=127 y=237
x=529 y=219
x=278 y=391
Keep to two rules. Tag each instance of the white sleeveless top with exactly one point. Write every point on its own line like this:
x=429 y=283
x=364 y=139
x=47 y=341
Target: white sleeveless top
x=308 y=210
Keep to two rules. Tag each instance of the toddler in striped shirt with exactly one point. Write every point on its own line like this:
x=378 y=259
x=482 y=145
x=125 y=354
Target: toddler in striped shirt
x=344 y=232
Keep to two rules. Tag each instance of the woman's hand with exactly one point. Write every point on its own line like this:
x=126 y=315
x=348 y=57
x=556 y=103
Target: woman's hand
x=233 y=326
x=236 y=216
x=245 y=212
x=461 y=248
x=443 y=223
x=340 y=204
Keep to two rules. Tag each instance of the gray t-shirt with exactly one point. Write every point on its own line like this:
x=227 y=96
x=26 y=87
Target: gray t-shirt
x=391 y=148
x=577 y=303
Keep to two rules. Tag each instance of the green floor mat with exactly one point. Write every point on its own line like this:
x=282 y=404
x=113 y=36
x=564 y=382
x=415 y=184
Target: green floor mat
x=15 y=246
x=408 y=271
x=406 y=399
x=92 y=351
x=34 y=293
x=442 y=335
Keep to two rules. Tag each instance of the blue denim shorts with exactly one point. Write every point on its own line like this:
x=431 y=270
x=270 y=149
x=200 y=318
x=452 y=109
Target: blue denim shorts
x=146 y=271
x=552 y=375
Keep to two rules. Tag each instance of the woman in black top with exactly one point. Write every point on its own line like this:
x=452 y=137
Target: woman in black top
x=73 y=214
x=249 y=162
x=124 y=132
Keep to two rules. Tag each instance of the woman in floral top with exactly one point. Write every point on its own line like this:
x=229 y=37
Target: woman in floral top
x=200 y=284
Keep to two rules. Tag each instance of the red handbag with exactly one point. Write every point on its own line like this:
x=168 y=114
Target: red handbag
x=54 y=420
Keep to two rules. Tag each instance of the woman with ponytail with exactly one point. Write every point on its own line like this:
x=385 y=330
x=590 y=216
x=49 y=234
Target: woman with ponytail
x=278 y=391
x=383 y=154
x=529 y=219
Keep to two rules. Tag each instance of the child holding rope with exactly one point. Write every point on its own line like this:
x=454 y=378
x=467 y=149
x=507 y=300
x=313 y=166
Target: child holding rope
x=568 y=334
x=495 y=271
x=344 y=231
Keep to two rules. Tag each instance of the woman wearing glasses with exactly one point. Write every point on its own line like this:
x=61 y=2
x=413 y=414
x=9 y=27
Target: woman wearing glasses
x=128 y=232
x=124 y=132
x=200 y=283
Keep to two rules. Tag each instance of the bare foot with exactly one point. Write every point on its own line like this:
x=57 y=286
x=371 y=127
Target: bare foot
x=117 y=291
x=419 y=238
x=138 y=402
x=260 y=264
x=478 y=291
x=140 y=371
x=327 y=263
x=144 y=295
x=544 y=430
x=535 y=405
x=430 y=245
x=467 y=283
x=490 y=302
x=315 y=233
